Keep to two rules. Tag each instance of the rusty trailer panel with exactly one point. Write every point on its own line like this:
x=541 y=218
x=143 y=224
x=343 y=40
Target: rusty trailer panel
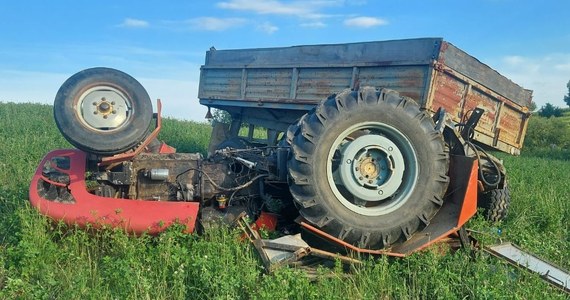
x=461 y=83
x=273 y=86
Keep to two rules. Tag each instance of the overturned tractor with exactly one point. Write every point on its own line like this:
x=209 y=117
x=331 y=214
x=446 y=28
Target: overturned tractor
x=375 y=146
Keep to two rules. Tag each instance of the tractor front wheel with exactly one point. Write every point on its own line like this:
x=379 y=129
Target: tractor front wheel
x=103 y=111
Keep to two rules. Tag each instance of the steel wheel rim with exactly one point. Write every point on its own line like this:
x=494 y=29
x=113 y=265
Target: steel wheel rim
x=372 y=168
x=104 y=109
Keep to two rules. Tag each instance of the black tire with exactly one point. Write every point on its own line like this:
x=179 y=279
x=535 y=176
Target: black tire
x=495 y=204
x=383 y=121
x=103 y=111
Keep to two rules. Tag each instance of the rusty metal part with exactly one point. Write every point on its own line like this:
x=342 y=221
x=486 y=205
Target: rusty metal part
x=286 y=250
x=112 y=160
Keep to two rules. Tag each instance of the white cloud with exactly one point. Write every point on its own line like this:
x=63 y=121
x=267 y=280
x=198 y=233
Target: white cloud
x=563 y=67
x=513 y=60
x=267 y=28
x=266 y=7
x=134 y=23
x=35 y=87
x=355 y=2
x=179 y=97
x=365 y=22
x=547 y=75
x=215 y=24
x=317 y=24
x=303 y=9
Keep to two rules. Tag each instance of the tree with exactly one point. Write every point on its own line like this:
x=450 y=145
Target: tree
x=532 y=106
x=222 y=116
x=567 y=97
x=549 y=110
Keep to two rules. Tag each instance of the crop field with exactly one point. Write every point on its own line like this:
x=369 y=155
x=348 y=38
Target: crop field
x=40 y=259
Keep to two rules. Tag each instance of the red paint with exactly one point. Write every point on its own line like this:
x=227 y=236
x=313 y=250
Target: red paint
x=267 y=221
x=105 y=161
x=166 y=149
x=469 y=207
x=344 y=244
x=136 y=216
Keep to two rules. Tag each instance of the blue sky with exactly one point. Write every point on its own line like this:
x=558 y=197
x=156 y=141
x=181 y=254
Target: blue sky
x=163 y=43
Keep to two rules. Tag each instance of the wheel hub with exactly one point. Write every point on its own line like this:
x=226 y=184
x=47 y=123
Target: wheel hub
x=373 y=167
x=103 y=108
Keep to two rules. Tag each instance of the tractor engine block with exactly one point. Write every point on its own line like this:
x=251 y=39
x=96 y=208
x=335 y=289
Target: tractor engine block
x=171 y=177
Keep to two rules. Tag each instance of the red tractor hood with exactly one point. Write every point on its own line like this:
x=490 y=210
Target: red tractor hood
x=83 y=208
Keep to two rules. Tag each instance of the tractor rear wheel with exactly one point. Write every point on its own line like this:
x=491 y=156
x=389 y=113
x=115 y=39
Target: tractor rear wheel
x=368 y=167
x=103 y=111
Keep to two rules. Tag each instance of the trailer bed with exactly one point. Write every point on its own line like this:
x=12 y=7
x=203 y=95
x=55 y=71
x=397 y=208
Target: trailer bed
x=274 y=86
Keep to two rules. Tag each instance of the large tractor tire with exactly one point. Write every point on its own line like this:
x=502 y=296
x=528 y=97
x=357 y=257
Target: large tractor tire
x=368 y=167
x=103 y=111
x=495 y=204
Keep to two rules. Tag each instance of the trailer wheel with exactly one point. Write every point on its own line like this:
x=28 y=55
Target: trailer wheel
x=495 y=204
x=368 y=167
x=103 y=111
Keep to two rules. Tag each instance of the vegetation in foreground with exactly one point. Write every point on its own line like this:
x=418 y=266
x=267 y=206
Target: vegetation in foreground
x=43 y=260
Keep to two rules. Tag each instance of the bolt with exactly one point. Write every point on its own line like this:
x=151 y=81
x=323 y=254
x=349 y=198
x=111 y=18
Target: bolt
x=380 y=192
x=356 y=169
x=103 y=99
x=105 y=117
x=114 y=112
x=112 y=102
x=95 y=112
x=348 y=161
x=94 y=103
x=390 y=148
x=369 y=181
x=360 y=178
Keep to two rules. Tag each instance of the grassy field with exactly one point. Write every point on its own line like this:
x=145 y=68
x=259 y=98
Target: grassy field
x=43 y=260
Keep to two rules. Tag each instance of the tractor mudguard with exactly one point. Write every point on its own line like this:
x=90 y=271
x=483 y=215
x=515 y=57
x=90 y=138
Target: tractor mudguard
x=67 y=199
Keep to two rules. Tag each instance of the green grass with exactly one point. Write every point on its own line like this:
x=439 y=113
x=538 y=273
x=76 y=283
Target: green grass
x=42 y=260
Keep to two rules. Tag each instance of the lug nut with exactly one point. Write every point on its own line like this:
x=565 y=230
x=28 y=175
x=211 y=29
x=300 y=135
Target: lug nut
x=114 y=112
x=94 y=103
x=105 y=117
x=380 y=192
x=95 y=112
